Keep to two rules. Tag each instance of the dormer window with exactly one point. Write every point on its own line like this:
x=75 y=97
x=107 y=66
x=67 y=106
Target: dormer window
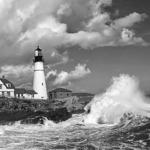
x=8 y=85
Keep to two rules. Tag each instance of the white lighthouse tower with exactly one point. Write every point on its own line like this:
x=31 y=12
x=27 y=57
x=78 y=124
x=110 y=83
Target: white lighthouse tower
x=39 y=84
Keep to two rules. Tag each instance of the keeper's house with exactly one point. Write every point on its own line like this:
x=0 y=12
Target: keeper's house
x=59 y=93
x=7 y=89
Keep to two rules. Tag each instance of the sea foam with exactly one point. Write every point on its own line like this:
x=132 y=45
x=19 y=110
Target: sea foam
x=123 y=96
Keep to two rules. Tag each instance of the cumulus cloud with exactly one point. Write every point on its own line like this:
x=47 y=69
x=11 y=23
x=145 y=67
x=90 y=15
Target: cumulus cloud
x=26 y=23
x=100 y=30
x=111 y=32
x=128 y=36
x=64 y=77
x=130 y=20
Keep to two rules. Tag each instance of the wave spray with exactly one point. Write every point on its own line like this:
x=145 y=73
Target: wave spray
x=123 y=96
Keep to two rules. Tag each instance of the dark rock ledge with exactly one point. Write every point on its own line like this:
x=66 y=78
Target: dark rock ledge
x=12 y=110
x=34 y=111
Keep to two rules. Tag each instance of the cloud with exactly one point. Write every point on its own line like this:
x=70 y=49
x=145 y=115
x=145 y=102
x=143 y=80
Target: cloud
x=55 y=59
x=64 y=77
x=51 y=73
x=100 y=30
x=64 y=10
x=17 y=71
x=112 y=32
x=130 y=20
x=49 y=28
x=128 y=36
x=57 y=23
x=20 y=75
x=59 y=58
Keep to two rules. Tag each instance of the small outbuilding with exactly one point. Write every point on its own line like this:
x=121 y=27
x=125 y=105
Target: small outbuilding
x=59 y=93
x=22 y=93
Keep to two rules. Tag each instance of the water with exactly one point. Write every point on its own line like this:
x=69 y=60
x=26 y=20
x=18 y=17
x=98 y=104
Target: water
x=117 y=119
x=132 y=132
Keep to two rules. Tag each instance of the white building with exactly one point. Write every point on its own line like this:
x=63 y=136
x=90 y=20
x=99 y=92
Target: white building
x=39 y=83
x=7 y=89
x=22 y=93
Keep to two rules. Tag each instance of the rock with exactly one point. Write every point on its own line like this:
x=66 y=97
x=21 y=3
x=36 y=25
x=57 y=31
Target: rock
x=56 y=110
x=15 y=110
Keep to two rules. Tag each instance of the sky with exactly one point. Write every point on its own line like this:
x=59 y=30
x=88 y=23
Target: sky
x=85 y=42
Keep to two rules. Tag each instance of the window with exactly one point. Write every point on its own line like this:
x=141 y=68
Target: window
x=8 y=93
x=5 y=93
x=0 y=86
x=8 y=85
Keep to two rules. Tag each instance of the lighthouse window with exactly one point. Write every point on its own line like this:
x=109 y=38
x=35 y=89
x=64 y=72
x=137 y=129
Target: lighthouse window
x=36 y=53
x=42 y=83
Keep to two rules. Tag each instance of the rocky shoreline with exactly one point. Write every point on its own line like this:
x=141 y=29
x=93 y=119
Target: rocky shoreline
x=16 y=110
x=32 y=111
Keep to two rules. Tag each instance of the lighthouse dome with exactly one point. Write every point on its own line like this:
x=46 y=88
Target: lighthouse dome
x=38 y=48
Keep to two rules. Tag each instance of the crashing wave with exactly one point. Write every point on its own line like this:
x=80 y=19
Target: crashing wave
x=123 y=96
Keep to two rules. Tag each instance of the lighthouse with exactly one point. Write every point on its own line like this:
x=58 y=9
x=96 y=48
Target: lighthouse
x=39 y=84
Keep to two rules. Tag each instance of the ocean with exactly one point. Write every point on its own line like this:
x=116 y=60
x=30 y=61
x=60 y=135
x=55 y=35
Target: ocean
x=132 y=133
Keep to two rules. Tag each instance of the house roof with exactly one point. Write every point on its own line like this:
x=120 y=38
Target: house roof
x=24 y=91
x=6 y=82
x=60 y=90
x=83 y=94
x=20 y=91
x=31 y=92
